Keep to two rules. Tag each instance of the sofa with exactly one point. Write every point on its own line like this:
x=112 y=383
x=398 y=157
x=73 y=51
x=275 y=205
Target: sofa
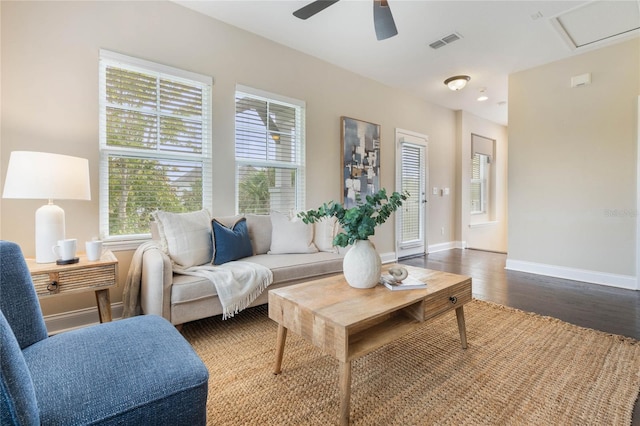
x=134 y=371
x=294 y=252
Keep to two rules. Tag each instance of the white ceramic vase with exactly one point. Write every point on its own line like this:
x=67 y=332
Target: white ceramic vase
x=362 y=265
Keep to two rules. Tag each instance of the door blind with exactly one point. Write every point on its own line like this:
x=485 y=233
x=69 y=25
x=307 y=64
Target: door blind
x=412 y=178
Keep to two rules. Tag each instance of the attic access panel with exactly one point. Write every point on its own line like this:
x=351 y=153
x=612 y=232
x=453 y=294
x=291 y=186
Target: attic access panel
x=597 y=21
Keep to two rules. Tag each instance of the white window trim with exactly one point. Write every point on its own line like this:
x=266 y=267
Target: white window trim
x=146 y=66
x=267 y=96
x=128 y=242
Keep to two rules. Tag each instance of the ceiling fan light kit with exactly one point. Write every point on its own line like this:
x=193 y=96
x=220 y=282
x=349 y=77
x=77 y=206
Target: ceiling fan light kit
x=382 y=19
x=457 y=82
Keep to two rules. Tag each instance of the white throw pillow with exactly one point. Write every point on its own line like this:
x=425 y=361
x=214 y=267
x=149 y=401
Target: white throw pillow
x=324 y=232
x=290 y=235
x=186 y=237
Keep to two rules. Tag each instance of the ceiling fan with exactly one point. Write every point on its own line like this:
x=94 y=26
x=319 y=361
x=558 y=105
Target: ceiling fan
x=382 y=19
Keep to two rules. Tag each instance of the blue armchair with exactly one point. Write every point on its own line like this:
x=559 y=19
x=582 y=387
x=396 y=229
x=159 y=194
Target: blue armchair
x=129 y=372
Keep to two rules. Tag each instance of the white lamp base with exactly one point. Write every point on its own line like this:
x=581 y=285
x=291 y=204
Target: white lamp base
x=49 y=229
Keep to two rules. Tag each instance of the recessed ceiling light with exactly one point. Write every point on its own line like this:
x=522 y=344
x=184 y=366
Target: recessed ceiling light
x=483 y=96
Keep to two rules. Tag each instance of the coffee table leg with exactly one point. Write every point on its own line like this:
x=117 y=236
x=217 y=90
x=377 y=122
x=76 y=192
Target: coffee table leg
x=345 y=391
x=282 y=338
x=461 y=326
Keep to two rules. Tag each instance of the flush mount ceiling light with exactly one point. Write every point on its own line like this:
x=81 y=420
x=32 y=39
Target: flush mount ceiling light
x=457 y=82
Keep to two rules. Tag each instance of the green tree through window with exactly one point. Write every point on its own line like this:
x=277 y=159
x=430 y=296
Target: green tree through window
x=269 y=152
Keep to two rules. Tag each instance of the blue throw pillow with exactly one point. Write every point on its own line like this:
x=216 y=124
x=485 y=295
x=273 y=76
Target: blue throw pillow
x=231 y=244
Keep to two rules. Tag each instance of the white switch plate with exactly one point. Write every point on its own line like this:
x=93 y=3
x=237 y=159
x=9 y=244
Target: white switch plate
x=446 y=191
x=435 y=190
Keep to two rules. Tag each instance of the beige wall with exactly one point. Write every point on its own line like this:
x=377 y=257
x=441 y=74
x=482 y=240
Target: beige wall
x=49 y=100
x=492 y=234
x=572 y=162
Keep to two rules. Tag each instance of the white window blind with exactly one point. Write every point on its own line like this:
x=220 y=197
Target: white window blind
x=155 y=143
x=482 y=152
x=479 y=184
x=269 y=150
x=412 y=181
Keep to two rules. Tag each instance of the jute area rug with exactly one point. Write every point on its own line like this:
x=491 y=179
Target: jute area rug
x=519 y=368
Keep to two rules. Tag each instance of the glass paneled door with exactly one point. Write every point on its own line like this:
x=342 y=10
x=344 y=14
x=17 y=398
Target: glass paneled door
x=411 y=219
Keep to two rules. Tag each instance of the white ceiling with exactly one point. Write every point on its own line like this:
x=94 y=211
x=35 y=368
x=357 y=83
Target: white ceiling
x=498 y=38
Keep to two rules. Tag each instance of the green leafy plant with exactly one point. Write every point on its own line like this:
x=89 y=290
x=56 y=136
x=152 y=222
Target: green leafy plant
x=359 y=222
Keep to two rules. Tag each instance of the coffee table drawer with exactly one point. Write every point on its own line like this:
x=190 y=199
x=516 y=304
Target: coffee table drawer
x=449 y=298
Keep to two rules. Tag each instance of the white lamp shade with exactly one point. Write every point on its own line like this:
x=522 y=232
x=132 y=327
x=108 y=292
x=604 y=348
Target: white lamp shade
x=43 y=175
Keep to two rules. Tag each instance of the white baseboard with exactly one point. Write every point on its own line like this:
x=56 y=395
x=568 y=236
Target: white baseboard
x=57 y=323
x=613 y=280
x=389 y=257
x=447 y=246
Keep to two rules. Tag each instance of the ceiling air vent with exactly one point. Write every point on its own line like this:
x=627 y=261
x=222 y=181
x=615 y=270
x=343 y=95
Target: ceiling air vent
x=445 y=40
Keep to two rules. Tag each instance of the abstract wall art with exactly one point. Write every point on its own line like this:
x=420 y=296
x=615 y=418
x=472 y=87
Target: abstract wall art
x=360 y=159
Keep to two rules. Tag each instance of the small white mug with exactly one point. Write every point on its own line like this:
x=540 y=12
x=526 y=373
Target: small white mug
x=65 y=249
x=94 y=250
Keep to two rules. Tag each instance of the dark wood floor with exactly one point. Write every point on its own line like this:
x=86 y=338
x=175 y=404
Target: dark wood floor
x=599 y=307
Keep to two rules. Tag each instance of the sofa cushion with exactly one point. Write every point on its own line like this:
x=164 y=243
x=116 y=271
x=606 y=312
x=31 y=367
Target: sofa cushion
x=186 y=237
x=187 y=288
x=260 y=232
x=228 y=221
x=285 y=268
x=290 y=235
x=298 y=267
x=230 y=243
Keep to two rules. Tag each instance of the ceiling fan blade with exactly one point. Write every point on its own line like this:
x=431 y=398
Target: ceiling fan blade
x=312 y=8
x=383 y=20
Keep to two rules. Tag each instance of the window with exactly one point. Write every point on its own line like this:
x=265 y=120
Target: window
x=479 y=187
x=269 y=152
x=482 y=178
x=155 y=143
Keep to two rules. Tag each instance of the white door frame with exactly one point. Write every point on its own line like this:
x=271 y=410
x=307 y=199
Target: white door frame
x=408 y=136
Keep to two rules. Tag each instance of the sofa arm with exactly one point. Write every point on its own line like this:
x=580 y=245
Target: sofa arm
x=155 y=287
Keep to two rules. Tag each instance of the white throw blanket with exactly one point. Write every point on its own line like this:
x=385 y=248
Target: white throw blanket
x=131 y=292
x=237 y=283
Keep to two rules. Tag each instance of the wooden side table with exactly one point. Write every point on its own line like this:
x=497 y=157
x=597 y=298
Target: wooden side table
x=99 y=276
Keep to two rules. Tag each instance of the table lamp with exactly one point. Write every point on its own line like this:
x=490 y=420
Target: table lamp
x=43 y=175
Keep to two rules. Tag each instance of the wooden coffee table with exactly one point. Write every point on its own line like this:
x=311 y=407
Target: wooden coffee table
x=348 y=323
